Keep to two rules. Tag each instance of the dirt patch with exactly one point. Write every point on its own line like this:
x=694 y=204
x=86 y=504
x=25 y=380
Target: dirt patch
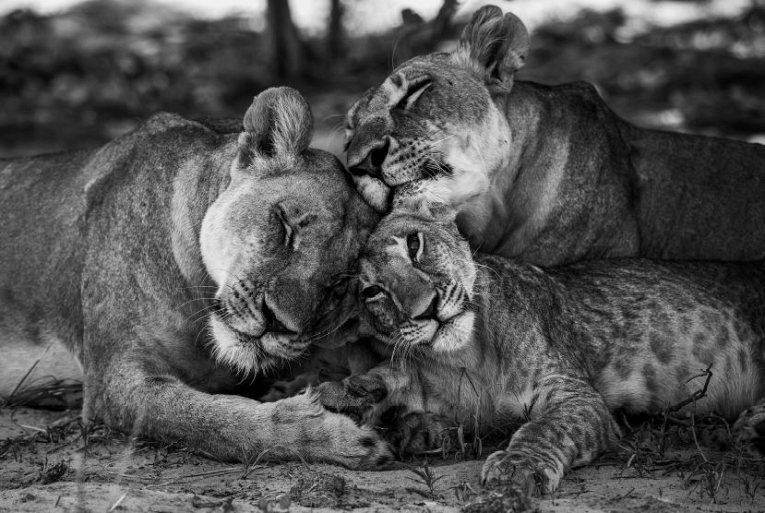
x=50 y=462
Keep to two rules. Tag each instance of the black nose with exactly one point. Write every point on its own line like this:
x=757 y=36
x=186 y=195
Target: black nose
x=430 y=311
x=272 y=323
x=372 y=164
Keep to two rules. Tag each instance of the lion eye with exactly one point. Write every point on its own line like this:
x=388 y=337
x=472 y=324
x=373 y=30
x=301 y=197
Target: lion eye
x=415 y=88
x=414 y=244
x=289 y=232
x=371 y=292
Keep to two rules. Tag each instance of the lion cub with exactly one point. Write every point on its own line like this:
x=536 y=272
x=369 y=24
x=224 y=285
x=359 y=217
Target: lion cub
x=559 y=349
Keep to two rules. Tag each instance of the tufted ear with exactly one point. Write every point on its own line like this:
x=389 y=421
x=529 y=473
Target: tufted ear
x=279 y=122
x=497 y=43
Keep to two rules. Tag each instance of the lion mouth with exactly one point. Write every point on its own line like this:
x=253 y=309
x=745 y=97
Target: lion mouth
x=282 y=343
x=434 y=330
x=273 y=324
x=250 y=353
x=446 y=326
x=247 y=338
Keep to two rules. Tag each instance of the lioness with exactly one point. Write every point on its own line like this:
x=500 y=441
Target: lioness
x=549 y=174
x=485 y=341
x=173 y=263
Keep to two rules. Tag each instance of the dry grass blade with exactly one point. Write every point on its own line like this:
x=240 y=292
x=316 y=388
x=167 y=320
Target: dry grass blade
x=119 y=501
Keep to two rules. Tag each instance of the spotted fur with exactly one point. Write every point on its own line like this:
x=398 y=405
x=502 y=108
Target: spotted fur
x=558 y=349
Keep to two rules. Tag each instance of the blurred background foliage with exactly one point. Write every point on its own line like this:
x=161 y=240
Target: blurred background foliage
x=82 y=76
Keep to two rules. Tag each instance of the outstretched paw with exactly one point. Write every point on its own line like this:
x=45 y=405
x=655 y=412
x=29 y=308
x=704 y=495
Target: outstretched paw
x=520 y=471
x=359 y=447
x=328 y=436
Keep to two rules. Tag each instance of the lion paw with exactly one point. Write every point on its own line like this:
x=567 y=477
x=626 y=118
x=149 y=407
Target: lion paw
x=750 y=427
x=373 y=452
x=353 y=396
x=504 y=468
x=415 y=432
x=343 y=441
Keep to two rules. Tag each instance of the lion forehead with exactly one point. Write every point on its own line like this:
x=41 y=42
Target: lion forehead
x=456 y=94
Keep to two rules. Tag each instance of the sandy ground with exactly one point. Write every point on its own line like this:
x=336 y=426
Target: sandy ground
x=49 y=463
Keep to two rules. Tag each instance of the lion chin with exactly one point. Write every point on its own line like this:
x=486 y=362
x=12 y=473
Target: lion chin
x=249 y=354
x=454 y=333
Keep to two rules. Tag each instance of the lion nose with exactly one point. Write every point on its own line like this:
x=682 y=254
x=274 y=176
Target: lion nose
x=372 y=163
x=430 y=311
x=272 y=323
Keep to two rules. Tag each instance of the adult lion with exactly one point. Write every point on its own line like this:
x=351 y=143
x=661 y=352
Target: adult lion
x=174 y=249
x=549 y=174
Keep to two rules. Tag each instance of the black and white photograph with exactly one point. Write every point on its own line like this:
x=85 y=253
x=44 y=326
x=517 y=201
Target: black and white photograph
x=437 y=256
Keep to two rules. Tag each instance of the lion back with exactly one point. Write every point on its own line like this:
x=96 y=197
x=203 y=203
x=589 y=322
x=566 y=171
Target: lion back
x=52 y=207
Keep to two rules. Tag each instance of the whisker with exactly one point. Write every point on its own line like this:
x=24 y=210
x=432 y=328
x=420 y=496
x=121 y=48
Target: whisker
x=439 y=141
x=195 y=299
x=197 y=287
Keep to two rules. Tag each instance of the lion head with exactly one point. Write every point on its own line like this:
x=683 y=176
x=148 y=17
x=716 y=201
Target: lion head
x=417 y=280
x=281 y=240
x=434 y=120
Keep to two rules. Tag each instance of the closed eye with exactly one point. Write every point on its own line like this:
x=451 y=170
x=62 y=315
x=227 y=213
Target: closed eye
x=414 y=90
x=289 y=231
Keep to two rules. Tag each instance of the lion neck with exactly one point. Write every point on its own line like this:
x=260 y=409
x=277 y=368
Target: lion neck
x=508 y=217
x=195 y=188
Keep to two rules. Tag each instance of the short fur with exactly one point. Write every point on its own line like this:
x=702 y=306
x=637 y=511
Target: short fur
x=555 y=350
x=549 y=174
x=177 y=263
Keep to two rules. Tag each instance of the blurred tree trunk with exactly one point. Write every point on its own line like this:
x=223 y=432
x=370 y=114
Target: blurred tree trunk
x=335 y=35
x=286 y=46
x=418 y=37
x=443 y=20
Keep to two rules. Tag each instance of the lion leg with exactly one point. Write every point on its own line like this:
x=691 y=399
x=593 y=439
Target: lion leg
x=229 y=427
x=571 y=429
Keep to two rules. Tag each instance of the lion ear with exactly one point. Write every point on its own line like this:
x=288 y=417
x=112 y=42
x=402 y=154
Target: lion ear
x=279 y=122
x=499 y=44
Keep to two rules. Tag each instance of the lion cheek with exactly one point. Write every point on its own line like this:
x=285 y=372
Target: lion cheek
x=477 y=157
x=221 y=252
x=212 y=245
